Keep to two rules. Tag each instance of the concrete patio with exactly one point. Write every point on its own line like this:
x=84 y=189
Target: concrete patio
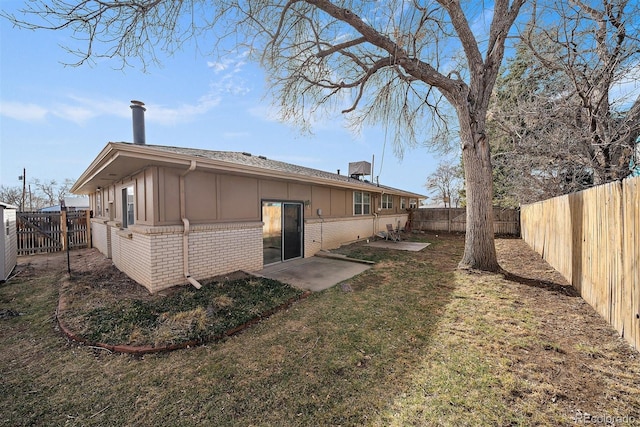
x=314 y=273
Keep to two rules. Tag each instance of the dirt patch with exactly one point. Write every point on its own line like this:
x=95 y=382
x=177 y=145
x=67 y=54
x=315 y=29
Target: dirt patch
x=576 y=352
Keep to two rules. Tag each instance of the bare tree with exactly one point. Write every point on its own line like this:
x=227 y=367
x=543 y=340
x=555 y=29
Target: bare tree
x=393 y=61
x=43 y=193
x=445 y=183
x=595 y=48
x=11 y=195
x=48 y=191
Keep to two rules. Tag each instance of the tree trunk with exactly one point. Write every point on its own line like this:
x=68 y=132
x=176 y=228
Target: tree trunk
x=479 y=247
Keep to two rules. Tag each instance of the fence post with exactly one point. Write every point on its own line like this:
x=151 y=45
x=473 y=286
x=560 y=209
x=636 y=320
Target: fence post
x=87 y=214
x=63 y=227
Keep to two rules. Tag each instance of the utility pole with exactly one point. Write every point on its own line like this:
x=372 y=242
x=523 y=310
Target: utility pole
x=23 y=178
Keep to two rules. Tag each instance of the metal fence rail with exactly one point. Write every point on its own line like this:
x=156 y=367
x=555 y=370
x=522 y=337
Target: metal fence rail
x=46 y=232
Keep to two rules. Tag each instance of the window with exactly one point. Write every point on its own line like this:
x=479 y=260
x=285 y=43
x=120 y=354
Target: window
x=361 y=203
x=127 y=207
x=413 y=203
x=387 y=201
x=99 y=203
x=403 y=203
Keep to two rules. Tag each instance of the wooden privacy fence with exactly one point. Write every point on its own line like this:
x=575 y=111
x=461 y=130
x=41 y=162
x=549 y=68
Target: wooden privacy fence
x=593 y=239
x=505 y=221
x=43 y=232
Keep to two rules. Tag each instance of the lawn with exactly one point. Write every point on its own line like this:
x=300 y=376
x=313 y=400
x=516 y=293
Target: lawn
x=414 y=343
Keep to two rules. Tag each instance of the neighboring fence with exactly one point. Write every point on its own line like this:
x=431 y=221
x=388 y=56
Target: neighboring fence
x=44 y=232
x=505 y=221
x=593 y=239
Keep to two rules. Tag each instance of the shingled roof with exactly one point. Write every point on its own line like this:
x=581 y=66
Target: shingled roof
x=262 y=162
x=121 y=159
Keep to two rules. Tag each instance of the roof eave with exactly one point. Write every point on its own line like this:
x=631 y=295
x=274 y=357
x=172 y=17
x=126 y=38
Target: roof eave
x=144 y=154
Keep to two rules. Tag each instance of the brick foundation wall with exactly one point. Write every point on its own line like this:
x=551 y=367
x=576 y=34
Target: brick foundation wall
x=225 y=248
x=153 y=256
x=99 y=237
x=332 y=233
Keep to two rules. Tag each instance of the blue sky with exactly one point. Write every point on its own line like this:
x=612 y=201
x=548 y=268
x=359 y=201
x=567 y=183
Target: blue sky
x=54 y=119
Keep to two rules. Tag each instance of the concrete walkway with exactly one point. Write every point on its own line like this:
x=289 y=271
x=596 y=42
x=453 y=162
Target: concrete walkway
x=399 y=246
x=314 y=273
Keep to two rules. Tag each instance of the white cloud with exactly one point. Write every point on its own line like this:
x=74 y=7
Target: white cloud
x=75 y=113
x=22 y=111
x=79 y=110
x=627 y=90
x=219 y=65
x=233 y=63
x=183 y=113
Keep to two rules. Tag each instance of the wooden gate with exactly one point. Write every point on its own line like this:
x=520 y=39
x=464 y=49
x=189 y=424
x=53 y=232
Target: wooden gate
x=44 y=232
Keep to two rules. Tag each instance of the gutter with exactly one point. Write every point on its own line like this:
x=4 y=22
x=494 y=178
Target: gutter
x=185 y=234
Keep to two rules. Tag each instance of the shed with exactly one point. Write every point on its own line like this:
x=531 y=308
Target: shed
x=9 y=240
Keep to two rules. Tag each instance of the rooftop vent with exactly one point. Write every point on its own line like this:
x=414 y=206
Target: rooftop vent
x=137 y=111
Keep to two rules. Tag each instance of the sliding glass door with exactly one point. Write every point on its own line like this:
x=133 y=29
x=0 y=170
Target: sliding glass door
x=282 y=231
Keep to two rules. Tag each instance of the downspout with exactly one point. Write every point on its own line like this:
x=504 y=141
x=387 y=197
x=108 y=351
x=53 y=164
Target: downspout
x=185 y=234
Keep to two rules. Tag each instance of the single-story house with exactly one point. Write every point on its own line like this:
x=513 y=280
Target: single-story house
x=9 y=240
x=171 y=215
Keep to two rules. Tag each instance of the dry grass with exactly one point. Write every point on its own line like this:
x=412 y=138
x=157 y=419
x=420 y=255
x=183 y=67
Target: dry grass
x=128 y=315
x=415 y=343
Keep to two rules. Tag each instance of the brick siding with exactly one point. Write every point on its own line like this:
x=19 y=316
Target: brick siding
x=332 y=233
x=153 y=256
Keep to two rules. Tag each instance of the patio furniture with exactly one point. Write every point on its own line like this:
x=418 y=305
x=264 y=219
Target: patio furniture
x=392 y=234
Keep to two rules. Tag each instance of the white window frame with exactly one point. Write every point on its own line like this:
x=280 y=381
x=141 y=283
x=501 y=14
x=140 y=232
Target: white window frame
x=403 y=203
x=361 y=203
x=413 y=203
x=128 y=206
x=387 y=201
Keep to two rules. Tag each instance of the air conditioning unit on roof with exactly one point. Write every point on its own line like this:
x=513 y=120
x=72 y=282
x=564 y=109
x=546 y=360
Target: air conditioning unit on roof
x=358 y=169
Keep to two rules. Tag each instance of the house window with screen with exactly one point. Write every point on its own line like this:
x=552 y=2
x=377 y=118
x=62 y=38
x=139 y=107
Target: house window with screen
x=403 y=203
x=128 y=197
x=413 y=203
x=387 y=201
x=361 y=203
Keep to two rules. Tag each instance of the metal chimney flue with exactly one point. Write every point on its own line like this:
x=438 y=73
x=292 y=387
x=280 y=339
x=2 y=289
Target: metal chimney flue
x=137 y=111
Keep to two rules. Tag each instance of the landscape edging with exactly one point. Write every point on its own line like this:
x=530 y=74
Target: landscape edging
x=147 y=349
